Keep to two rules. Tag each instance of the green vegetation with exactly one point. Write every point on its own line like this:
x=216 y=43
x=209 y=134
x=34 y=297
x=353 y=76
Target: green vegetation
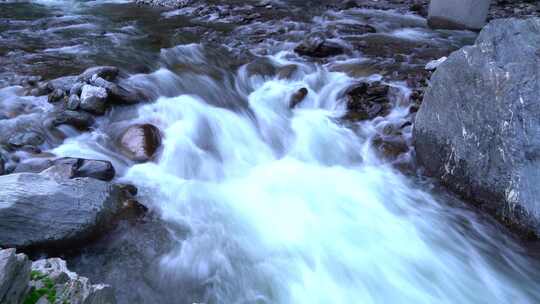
x=48 y=289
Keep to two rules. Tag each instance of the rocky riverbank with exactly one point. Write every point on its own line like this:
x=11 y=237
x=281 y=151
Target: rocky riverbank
x=46 y=281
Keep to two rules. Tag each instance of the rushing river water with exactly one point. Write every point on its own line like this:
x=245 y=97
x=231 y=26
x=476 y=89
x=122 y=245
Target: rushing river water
x=263 y=204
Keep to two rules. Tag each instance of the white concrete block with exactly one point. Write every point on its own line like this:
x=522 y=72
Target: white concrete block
x=458 y=14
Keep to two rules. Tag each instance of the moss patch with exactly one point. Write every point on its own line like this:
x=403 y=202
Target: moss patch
x=47 y=290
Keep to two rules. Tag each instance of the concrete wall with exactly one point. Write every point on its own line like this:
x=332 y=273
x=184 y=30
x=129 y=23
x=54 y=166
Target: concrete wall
x=458 y=14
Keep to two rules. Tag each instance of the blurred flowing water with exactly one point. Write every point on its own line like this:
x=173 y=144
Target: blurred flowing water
x=265 y=204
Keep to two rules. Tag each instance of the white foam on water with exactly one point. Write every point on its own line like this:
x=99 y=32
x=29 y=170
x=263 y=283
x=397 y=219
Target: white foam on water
x=289 y=206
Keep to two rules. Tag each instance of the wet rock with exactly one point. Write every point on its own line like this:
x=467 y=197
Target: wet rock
x=30 y=138
x=14 y=276
x=416 y=97
x=390 y=147
x=140 y=142
x=13 y=130
x=366 y=101
x=117 y=93
x=136 y=250
x=79 y=167
x=56 y=95
x=33 y=165
x=434 y=64
x=108 y=73
x=98 y=169
x=384 y=45
x=36 y=92
x=318 y=47
x=478 y=130
x=79 y=120
x=73 y=102
x=262 y=67
x=355 y=29
x=41 y=89
x=76 y=89
x=63 y=84
x=298 y=97
x=49 y=212
x=287 y=72
x=69 y=286
x=93 y=99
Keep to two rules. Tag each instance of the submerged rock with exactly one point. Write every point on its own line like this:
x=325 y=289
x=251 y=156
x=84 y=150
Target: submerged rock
x=318 y=47
x=49 y=211
x=56 y=95
x=14 y=276
x=478 y=128
x=30 y=138
x=298 y=97
x=390 y=147
x=261 y=67
x=366 y=101
x=79 y=120
x=21 y=130
x=140 y=142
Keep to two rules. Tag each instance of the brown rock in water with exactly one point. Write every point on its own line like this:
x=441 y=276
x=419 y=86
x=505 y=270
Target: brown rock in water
x=366 y=101
x=390 y=147
x=318 y=47
x=56 y=95
x=140 y=142
x=298 y=97
x=79 y=120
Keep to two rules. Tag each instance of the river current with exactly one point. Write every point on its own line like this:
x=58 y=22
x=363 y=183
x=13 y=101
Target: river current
x=260 y=203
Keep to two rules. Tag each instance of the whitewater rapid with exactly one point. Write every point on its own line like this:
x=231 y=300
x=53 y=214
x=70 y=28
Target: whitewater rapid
x=292 y=206
x=267 y=204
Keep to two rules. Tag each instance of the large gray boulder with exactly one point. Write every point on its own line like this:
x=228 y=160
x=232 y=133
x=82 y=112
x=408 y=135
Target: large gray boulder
x=14 y=276
x=50 y=211
x=478 y=129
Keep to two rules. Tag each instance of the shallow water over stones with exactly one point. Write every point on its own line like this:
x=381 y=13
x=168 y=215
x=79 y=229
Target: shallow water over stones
x=252 y=200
